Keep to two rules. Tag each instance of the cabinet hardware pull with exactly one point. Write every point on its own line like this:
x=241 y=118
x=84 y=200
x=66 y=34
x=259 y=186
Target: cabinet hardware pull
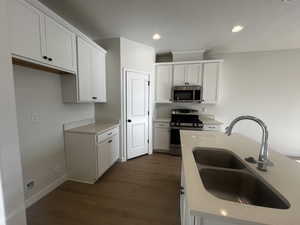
x=45 y=57
x=94 y=97
x=129 y=121
x=110 y=141
x=50 y=59
x=109 y=133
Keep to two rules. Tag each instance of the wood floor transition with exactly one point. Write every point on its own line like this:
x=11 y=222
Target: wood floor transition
x=142 y=191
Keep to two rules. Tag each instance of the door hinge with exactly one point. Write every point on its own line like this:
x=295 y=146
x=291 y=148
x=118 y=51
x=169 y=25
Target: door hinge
x=148 y=113
x=148 y=83
x=148 y=141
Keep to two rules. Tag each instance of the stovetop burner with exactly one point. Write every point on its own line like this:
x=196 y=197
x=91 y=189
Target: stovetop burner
x=182 y=118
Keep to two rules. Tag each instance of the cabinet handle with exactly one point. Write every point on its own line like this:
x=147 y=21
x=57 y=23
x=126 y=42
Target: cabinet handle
x=94 y=98
x=129 y=121
x=50 y=59
x=110 y=141
x=109 y=133
x=45 y=57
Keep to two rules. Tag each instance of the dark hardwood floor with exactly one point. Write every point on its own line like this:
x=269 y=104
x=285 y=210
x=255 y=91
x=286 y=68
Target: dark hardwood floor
x=142 y=191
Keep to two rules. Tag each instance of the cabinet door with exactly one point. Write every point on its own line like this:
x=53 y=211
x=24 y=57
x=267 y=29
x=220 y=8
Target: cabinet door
x=98 y=75
x=60 y=45
x=179 y=75
x=210 y=82
x=194 y=74
x=116 y=148
x=162 y=138
x=84 y=71
x=163 y=83
x=104 y=157
x=25 y=30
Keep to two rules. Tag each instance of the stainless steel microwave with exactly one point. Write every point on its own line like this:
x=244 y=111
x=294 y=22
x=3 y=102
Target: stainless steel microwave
x=188 y=93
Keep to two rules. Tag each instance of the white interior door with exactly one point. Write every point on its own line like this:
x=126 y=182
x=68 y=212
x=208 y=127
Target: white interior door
x=137 y=99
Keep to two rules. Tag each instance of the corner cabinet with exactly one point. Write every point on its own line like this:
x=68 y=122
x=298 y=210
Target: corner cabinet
x=211 y=72
x=90 y=155
x=205 y=73
x=38 y=38
x=163 y=83
x=91 y=73
x=161 y=136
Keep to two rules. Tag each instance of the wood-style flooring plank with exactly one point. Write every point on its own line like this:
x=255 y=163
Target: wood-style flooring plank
x=142 y=191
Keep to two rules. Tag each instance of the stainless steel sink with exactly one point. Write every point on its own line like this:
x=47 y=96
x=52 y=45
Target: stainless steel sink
x=217 y=158
x=242 y=187
x=225 y=176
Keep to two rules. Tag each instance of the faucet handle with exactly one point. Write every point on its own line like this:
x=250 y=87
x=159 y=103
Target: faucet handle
x=227 y=131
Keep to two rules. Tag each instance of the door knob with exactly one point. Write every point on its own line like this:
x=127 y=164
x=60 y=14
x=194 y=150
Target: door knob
x=129 y=121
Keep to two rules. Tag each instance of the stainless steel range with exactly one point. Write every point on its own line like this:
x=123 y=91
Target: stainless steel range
x=182 y=119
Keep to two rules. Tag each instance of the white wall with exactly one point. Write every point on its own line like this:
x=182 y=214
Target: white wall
x=38 y=94
x=263 y=84
x=123 y=54
x=112 y=109
x=10 y=165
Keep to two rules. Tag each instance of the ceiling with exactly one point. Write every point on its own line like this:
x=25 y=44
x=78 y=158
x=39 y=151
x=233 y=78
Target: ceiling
x=188 y=24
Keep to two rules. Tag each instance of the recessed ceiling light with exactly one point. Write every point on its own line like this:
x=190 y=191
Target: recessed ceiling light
x=237 y=28
x=156 y=37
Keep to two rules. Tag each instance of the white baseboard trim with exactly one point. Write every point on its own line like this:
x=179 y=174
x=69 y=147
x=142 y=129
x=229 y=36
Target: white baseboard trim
x=42 y=193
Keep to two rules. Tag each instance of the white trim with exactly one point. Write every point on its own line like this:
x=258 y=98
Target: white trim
x=124 y=111
x=42 y=193
x=12 y=216
x=191 y=62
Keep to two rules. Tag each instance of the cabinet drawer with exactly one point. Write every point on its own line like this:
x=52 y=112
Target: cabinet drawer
x=107 y=134
x=207 y=127
x=161 y=125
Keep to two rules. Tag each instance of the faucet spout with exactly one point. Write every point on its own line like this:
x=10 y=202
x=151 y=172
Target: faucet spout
x=263 y=158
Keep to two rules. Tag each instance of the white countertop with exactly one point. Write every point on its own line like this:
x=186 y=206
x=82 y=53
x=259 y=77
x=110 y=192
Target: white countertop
x=283 y=176
x=95 y=128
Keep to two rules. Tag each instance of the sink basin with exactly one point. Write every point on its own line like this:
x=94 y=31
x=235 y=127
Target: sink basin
x=242 y=187
x=217 y=158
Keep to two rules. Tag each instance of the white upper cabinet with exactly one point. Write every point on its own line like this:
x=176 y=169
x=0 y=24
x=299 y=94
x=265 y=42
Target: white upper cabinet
x=25 y=30
x=98 y=75
x=163 y=83
x=91 y=73
x=193 y=75
x=60 y=45
x=84 y=52
x=210 y=82
x=179 y=75
x=204 y=73
x=38 y=38
x=187 y=74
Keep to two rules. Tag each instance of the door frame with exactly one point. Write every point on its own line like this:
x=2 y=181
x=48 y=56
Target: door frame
x=123 y=139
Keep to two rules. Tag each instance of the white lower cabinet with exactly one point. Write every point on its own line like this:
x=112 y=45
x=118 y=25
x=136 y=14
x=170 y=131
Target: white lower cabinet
x=89 y=156
x=161 y=136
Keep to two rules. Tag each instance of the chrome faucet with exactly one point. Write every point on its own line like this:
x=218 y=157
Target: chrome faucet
x=263 y=159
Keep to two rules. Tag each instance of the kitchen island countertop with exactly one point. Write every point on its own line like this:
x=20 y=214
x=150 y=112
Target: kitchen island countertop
x=283 y=176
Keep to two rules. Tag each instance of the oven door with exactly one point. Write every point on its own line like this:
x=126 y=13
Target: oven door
x=183 y=95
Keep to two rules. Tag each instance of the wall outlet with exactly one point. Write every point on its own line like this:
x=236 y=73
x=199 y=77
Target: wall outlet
x=35 y=117
x=30 y=185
